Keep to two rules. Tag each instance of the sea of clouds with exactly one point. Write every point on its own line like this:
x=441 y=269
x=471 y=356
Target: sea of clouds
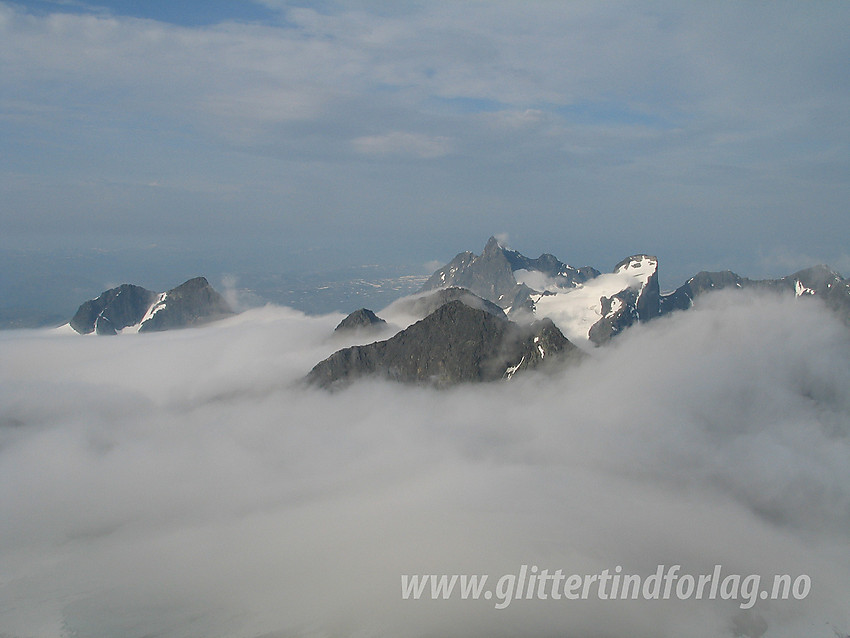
x=187 y=484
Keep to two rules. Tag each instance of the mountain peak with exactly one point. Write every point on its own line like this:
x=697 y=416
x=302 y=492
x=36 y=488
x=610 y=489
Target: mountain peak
x=113 y=310
x=819 y=273
x=493 y=245
x=191 y=303
x=362 y=319
x=488 y=275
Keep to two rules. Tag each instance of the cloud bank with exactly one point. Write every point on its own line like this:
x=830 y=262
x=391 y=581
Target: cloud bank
x=187 y=484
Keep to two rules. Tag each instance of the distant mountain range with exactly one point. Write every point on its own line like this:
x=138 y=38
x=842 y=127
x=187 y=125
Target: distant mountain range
x=482 y=317
x=478 y=318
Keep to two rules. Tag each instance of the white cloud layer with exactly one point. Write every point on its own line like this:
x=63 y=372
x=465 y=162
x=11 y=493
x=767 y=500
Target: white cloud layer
x=186 y=484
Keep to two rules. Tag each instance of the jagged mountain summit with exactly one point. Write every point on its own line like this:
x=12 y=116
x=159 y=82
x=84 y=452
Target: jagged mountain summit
x=590 y=307
x=454 y=344
x=136 y=309
x=498 y=274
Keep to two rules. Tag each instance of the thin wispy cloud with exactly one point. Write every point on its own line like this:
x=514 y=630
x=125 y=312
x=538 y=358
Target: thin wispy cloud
x=401 y=143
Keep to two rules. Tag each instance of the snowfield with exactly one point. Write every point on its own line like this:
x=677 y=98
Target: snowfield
x=575 y=310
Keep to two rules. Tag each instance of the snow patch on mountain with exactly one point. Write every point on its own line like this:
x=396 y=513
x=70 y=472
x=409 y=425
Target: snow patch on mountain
x=511 y=371
x=800 y=289
x=158 y=305
x=576 y=310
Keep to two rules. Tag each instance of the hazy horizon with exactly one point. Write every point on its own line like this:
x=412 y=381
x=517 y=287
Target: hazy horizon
x=45 y=289
x=287 y=137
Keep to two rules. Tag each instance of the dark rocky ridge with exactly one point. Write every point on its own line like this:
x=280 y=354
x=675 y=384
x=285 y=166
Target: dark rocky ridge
x=826 y=284
x=818 y=281
x=551 y=266
x=192 y=303
x=613 y=323
x=454 y=344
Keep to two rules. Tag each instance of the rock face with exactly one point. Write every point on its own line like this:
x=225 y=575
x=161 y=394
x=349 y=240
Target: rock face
x=488 y=275
x=454 y=344
x=820 y=281
x=192 y=303
x=363 y=319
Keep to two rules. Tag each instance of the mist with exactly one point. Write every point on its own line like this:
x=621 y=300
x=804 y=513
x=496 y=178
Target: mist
x=188 y=484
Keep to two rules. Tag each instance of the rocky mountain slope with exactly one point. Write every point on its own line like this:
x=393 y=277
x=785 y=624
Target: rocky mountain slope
x=454 y=344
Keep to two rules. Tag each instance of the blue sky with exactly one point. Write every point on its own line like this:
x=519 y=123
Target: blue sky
x=278 y=135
